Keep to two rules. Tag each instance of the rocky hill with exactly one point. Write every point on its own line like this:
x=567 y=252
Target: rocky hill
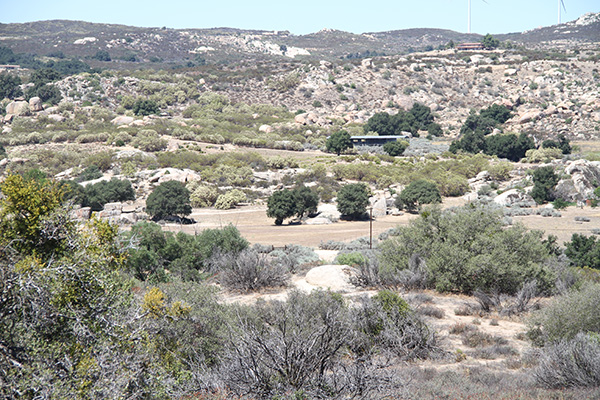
x=129 y=45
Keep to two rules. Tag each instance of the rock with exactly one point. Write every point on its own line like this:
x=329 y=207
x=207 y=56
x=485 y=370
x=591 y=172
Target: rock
x=122 y=120
x=173 y=174
x=379 y=207
x=320 y=220
x=300 y=119
x=35 y=104
x=405 y=102
x=333 y=277
x=329 y=211
x=529 y=116
x=513 y=196
x=265 y=128
x=510 y=72
x=340 y=108
x=17 y=107
x=367 y=63
x=585 y=176
x=56 y=118
x=82 y=213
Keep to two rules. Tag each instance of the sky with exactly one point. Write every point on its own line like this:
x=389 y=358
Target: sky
x=306 y=16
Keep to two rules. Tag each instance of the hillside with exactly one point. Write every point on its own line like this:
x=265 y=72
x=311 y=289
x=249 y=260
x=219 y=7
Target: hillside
x=129 y=46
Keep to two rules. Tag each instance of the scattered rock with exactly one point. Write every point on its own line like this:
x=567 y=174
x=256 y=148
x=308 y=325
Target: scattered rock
x=122 y=120
x=512 y=197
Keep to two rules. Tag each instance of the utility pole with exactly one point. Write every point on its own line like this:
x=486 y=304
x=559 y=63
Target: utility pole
x=371 y=227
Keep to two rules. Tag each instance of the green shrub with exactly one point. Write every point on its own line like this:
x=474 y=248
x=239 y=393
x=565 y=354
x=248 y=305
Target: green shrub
x=230 y=199
x=203 y=196
x=352 y=200
x=170 y=198
x=98 y=194
x=144 y=107
x=149 y=140
x=396 y=148
x=90 y=173
x=567 y=315
x=417 y=194
x=468 y=248
x=351 y=259
x=338 y=142
x=583 y=251
x=544 y=180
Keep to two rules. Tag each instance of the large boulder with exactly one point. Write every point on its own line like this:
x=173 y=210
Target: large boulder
x=379 y=205
x=585 y=177
x=35 y=104
x=122 y=120
x=17 y=107
x=513 y=197
x=333 y=277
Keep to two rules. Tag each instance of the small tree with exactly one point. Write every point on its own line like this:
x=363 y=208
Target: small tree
x=418 y=193
x=281 y=205
x=395 y=148
x=9 y=86
x=489 y=42
x=352 y=200
x=169 y=198
x=544 y=180
x=306 y=200
x=288 y=203
x=338 y=142
x=145 y=107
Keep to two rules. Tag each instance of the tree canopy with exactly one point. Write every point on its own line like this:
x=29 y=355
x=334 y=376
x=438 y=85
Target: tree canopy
x=338 y=142
x=352 y=200
x=418 y=193
x=170 y=198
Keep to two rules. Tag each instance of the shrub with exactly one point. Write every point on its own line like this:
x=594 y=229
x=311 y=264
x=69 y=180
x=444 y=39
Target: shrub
x=468 y=248
x=543 y=154
x=149 y=140
x=352 y=200
x=167 y=199
x=10 y=86
x=230 y=199
x=395 y=148
x=248 y=271
x=351 y=259
x=203 y=196
x=583 y=251
x=570 y=363
x=286 y=203
x=418 y=193
x=98 y=194
x=338 y=142
x=567 y=316
x=544 y=180
x=90 y=173
x=144 y=107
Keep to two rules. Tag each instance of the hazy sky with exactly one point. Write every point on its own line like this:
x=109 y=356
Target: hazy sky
x=305 y=16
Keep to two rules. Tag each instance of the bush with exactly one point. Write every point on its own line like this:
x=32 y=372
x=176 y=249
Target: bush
x=149 y=140
x=352 y=200
x=567 y=315
x=204 y=196
x=543 y=155
x=544 y=180
x=90 y=173
x=570 y=363
x=248 y=271
x=395 y=148
x=167 y=199
x=145 y=107
x=230 y=199
x=286 y=203
x=98 y=194
x=468 y=248
x=417 y=194
x=583 y=251
x=352 y=259
x=338 y=142
x=10 y=86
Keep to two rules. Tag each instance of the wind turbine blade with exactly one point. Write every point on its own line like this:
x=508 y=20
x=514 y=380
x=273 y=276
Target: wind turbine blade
x=562 y=3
